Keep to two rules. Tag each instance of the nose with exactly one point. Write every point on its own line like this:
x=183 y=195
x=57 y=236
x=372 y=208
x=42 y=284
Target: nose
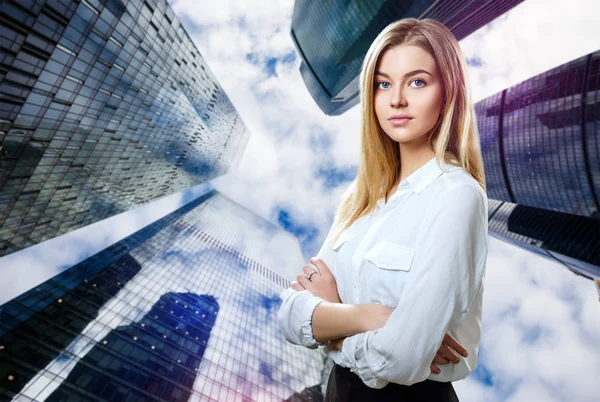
x=397 y=98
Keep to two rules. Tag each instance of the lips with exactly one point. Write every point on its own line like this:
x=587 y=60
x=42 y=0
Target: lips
x=399 y=121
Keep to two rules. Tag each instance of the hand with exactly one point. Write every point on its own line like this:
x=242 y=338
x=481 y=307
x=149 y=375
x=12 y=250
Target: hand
x=322 y=283
x=335 y=344
x=445 y=355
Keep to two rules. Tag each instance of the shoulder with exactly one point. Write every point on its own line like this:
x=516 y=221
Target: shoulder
x=458 y=184
x=457 y=191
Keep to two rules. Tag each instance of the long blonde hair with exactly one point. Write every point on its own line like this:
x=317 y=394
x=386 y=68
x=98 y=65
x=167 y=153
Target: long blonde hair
x=454 y=138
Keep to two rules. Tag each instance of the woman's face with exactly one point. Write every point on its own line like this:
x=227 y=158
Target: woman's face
x=407 y=82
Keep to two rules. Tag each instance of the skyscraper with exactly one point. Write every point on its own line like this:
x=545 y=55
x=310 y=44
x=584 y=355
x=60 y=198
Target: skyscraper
x=131 y=354
x=72 y=299
x=184 y=309
x=333 y=37
x=105 y=106
x=540 y=141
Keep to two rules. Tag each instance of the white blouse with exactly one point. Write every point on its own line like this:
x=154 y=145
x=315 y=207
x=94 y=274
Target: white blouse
x=423 y=253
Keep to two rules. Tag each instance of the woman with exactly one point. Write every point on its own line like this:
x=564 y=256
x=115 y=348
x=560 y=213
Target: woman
x=399 y=279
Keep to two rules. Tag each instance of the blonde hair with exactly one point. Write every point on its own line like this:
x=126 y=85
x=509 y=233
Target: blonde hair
x=454 y=138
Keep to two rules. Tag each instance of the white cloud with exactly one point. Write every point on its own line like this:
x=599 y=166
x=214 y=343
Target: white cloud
x=279 y=112
x=533 y=37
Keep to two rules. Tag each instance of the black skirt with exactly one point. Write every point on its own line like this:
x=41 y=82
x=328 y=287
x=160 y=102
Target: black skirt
x=344 y=385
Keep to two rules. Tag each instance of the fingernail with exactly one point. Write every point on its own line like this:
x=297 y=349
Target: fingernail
x=465 y=354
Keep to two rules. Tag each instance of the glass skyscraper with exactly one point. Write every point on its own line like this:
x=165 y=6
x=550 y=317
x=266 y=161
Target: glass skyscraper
x=184 y=309
x=333 y=37
x=540 y=141
x=105 y=105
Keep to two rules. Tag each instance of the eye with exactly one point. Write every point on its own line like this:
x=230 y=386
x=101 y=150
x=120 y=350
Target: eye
x=382 y=82
x=419 y=80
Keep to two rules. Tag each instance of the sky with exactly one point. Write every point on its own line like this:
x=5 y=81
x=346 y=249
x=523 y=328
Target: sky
x=541 y=323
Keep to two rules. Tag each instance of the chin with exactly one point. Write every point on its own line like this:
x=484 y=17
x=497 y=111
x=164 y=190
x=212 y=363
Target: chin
x=402 y=138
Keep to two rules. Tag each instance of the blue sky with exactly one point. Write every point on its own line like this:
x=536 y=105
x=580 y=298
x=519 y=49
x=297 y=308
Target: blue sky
x=541 y=323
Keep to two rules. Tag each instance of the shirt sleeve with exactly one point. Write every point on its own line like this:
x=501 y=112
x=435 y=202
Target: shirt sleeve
x=467 y=334
x=295 y=317
x=450 y=260
x=297 y=307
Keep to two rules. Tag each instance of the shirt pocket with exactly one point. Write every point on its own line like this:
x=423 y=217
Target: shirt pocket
x=387 y=266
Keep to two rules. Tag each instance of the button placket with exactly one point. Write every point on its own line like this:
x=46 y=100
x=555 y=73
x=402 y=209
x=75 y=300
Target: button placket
x=347 y=235
x=402 y=192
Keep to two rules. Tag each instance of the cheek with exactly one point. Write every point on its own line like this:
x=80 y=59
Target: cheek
x=435 y=102
x=430 y=109
x=378 y=105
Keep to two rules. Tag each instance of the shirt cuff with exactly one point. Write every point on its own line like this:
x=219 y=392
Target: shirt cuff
x=353 y=356
x=307 y=330
x=295 y=317
x=349 y=351
x=346 y=357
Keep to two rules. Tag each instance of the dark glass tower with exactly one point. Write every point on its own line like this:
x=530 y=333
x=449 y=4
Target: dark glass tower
x=333 y=37
x=55 y=312
x=104 y=106
x=154 y=359
x=184 y=309
x=541 y=148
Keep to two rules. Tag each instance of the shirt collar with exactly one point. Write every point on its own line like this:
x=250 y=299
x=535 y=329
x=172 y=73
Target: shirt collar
x=421 y=178
x=426 y=174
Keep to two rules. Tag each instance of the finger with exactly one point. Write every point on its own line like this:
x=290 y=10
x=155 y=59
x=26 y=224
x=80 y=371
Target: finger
x=448 y=353
x=440 y=359
x=321 y=266
x=307 y=269
x=450 y=341
x=303 y=280
x=296 y=286
x=435 y=369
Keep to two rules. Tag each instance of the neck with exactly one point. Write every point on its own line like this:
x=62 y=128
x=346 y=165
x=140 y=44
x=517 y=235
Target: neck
x=413 y=159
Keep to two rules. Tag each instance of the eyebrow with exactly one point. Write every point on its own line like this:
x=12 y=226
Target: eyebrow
x=407 y=74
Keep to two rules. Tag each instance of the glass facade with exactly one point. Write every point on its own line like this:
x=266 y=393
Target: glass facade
x=105 y=105
x=184 y=309
x=540 y=141
x=542 y=135
x=184 y=322
x=333 y=37
x=569 y=239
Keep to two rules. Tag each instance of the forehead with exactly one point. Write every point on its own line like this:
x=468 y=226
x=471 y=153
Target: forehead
x=401 y=59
